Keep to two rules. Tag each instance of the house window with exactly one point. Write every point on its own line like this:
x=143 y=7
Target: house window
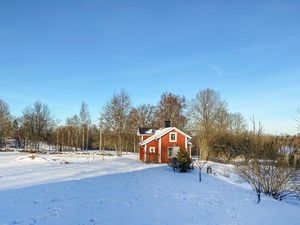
x=173 y=137
x=170 y=152
x=152 y=149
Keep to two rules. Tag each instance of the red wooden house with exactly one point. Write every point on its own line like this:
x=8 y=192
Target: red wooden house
x=161 y=145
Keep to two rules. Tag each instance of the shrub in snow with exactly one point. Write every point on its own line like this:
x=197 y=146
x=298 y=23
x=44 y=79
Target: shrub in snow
x=184 y=161
x=32 y=156
x=273 y=178
x=267 y=172
x=229 y=145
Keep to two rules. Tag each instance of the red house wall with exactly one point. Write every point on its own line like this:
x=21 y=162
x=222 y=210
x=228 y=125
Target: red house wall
x=165 y=144
x=141 y=153
x=144 y=137
x=152 y=157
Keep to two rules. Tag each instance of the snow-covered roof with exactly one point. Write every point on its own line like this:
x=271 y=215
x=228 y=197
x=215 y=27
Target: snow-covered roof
x=146 y=131
x=161 y=132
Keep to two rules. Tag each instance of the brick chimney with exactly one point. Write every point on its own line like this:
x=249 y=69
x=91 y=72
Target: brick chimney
x=167 y=123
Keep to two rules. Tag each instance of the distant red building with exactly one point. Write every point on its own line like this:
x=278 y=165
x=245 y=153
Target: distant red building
x=161 y=145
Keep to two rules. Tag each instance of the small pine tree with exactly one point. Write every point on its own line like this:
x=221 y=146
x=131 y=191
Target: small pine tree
x=184 y=161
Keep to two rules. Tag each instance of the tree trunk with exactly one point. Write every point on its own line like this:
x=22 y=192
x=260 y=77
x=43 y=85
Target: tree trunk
x=87 y=137
x=82 y=138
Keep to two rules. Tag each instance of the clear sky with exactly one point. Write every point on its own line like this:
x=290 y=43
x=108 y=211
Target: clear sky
x=65 y=52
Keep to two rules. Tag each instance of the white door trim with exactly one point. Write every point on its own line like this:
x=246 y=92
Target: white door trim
x=159 y=150
x=145 y=153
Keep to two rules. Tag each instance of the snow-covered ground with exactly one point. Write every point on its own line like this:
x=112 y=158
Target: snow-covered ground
x=72 y=189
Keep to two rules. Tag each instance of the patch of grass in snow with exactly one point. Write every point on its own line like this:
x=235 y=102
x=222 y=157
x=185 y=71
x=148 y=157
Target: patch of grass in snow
x=34 y=157
x=7 y=150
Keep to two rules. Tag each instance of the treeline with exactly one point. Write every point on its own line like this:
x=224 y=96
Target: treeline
x=216 y=132
x=268 y=163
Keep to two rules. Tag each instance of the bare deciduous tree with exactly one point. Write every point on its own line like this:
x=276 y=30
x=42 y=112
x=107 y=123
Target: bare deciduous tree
x=116 y=118
x=203 y=155
x=5 y=121
x=141 y=116
x=205 y=111
x=37 y=123
x=237 y=123
x=171 y=107
x=209 y=118
x=74 y=124
x=146 y=115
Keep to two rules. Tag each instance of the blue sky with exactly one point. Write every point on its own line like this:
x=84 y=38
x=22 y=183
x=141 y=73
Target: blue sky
x=66 y=52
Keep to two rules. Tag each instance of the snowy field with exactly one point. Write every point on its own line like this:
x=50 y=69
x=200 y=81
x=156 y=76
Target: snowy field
x=72 y=189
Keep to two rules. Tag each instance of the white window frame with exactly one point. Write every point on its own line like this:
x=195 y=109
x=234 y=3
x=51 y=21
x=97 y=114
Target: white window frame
x=171 y=151
x=151 y=150
x=170 y=137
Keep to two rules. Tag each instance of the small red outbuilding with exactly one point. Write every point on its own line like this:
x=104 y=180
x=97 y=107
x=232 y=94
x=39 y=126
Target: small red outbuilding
x=161 y=145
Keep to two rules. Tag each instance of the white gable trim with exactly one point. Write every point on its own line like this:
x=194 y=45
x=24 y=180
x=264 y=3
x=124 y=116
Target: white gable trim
x=162 y=134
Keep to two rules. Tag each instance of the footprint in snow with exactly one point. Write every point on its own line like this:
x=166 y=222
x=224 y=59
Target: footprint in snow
x=55 y=212
x=36 y=202
x=56 y=200
x=32 y=221
x=233 y=215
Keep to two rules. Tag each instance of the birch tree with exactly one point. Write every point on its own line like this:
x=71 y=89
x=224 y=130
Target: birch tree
x=74 y=124
x=85 y=123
